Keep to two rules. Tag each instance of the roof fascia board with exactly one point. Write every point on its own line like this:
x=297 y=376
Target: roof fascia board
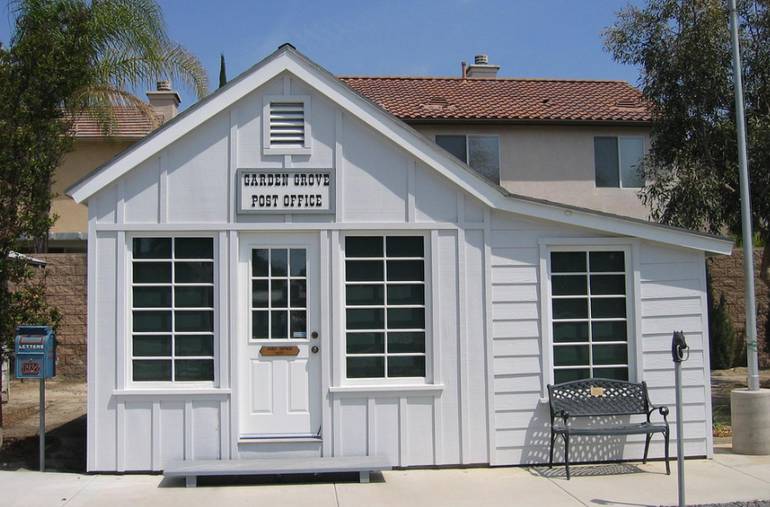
x=391 y=127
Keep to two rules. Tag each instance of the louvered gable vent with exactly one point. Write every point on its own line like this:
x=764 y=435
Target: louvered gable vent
x=287 y=124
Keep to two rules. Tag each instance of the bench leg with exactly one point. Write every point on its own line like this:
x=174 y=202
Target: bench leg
x=566 y=454
x=364 y=477
x=668 y=467
x=550 y=460
x=646 y=447
x=191 y=481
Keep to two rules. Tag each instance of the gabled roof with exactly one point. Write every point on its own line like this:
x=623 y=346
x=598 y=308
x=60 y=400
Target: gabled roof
x=288 y=59
x=130 y=123
x=508 y=99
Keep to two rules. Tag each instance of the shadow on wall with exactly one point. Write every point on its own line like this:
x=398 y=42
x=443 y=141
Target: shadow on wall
x=583 y=449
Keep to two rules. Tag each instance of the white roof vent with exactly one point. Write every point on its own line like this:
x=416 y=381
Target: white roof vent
x=287 y=131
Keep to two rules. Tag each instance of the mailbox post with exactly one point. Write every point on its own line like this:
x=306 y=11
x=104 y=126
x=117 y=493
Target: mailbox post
x=35 y=350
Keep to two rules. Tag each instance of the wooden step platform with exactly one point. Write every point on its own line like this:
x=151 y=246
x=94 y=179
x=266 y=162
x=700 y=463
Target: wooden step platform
x=191 y=469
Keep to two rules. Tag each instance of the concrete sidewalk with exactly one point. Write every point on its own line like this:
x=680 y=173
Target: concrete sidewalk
x=726 y=478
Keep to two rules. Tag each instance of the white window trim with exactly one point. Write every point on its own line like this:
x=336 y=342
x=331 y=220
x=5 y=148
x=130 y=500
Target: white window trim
x=620 y=160
x=468 y=148
x=127 y=351
x=630 y=247
x=267 y=148
x=394 y=383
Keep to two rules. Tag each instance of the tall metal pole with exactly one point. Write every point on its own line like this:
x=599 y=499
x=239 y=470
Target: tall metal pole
x=41 y=429
x=679 y=431
x=748 y=250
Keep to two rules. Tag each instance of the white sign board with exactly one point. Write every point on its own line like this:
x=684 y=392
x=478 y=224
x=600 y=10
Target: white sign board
x=285 y=191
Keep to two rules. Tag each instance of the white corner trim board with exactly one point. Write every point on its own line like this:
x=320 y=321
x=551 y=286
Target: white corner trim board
x=287 y=59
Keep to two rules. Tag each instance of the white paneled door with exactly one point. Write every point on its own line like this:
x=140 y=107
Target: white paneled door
x=279 y=343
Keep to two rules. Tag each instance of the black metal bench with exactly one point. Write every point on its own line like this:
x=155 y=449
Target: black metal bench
x=599 y=397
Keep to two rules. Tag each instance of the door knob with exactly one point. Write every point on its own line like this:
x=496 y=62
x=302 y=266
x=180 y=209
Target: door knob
x=314 y=349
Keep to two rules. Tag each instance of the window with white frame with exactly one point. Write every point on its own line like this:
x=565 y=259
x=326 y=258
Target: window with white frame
x=482 y=153
x=589 y=314
x=617 y=160
x=385 y=306
x=172 y=309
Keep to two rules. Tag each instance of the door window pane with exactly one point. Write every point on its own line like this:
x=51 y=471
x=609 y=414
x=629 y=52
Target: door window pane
x=607 y=308
x=298 y=266
x=406 y=294
x=260 y=262
x=365 y=318
x=408 y=341
x=194 y=272
x=631 y=153
x=298 y=320
x=298 y=293
x=364 y=271
x=279 y=293
x=455 y=145
x=279 y=261
x=259 y=325
x=279 y=324
x=407 y=271
x=147 y=321
x=606 y=161
x=357 y=295
x=197 y=320
x=484 y=156
x=406 y=318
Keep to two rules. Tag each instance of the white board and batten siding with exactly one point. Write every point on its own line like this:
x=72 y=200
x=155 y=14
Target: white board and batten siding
x=483 y=402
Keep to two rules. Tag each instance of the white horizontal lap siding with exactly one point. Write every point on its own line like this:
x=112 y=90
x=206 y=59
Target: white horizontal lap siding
x=673 y=298
x=515 y=313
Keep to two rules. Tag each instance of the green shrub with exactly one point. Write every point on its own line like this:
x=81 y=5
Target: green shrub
x=723 y=343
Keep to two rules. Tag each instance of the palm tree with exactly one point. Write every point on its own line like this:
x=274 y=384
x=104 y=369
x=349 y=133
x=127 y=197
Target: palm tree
x=130 y=49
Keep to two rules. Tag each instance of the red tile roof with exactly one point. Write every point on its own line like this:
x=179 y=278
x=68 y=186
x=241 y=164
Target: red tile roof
x=507 y=99
x=130 y=122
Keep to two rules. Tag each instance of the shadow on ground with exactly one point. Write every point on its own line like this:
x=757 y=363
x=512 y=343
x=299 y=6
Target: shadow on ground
x=65 y=449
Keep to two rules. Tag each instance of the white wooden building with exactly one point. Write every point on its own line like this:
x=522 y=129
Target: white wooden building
x=285 y=269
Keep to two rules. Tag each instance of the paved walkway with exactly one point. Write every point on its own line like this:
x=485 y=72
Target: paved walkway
x=726 y=478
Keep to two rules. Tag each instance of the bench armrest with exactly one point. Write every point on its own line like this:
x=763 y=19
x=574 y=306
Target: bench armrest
x=662 y=409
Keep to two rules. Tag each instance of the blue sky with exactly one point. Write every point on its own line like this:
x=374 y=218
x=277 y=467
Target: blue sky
x=528 y=38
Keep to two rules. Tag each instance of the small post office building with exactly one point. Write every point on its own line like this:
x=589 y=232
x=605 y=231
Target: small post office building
x=285 y=269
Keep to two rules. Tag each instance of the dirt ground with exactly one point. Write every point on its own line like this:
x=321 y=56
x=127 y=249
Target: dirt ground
x=65 y=410
x=66 y=420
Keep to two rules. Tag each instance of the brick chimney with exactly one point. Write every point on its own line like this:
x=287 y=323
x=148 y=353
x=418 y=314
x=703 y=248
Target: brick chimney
x=480 y=68
x=164 y=100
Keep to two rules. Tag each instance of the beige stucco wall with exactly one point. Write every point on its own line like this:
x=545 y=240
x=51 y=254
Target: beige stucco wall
x=555 y=163
x=86 y=156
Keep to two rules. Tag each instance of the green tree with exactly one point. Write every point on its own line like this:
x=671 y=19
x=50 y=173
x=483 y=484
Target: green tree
x=222 y=71
x=682 y=48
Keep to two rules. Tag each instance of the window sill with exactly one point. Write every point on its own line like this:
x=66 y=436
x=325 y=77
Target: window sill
x=165 y=391
x=389 y=388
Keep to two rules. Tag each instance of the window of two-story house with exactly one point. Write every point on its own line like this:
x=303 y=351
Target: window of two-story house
x=616 y=160
x=482 y=153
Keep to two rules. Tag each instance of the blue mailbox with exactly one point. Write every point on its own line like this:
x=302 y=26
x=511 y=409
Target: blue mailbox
x=35 y=348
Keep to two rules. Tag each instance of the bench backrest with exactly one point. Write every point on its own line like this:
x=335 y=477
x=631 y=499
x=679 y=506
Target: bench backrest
x=598 y=397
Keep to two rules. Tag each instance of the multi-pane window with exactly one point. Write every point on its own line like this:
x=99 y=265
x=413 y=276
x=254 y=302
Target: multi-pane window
x=589 y=314
x=278 y=293
x=482 y=153
x=617 y=160
x=385 y=306
x=172 y=309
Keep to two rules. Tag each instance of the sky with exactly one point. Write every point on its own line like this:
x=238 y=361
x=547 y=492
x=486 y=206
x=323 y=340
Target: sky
x=527 y=38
